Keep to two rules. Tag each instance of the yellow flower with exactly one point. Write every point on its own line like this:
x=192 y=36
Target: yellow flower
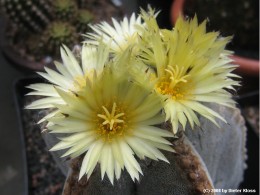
x=109 y=121
x=187 y=67
x=119 y=36
x=70 y=75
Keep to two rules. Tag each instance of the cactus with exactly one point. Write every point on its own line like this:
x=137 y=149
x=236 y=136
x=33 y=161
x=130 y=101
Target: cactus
x=204 y=159
x=82 y=3
x=56 y=34
x=64 y=10
x=32 y=31
x=32 y=15
x=83 y=18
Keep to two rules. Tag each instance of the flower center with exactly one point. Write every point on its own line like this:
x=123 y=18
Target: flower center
x=165 y=89
x=112 y=122
x=170 y=85
x=111 y=118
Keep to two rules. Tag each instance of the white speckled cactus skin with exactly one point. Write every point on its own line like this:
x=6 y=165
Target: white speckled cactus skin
x=32 y=15
x=222 y=150
x=207 y=157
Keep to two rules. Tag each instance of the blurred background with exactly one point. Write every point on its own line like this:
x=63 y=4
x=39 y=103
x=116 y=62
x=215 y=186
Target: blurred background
x=30 y=34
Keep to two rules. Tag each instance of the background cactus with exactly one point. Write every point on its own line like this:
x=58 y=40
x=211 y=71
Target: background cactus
x=83 y=18
x=82 y=3
x=64 y=10
x=58 y=33
x=36 y=27
x=32 y=15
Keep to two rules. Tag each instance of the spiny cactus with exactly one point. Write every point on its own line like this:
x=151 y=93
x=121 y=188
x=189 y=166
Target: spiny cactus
x=56 y=34
x=64 y=10
x=32 y=15
x=33 y=32
x=212 y=158
x=83 y=18
x=82 y=3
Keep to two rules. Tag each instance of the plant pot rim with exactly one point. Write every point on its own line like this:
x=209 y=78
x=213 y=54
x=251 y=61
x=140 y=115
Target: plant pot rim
x=246 y=66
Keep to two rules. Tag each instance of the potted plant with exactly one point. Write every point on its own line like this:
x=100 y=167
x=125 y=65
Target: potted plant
x=141 y=95
x=35 y=30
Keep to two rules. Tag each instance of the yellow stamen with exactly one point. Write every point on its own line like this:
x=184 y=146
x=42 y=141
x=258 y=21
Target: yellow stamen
x=176 y=75
x=111 y=118
x=170 y=85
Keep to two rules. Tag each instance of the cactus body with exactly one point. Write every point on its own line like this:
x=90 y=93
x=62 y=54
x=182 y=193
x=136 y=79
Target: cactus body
x=55 y=35
x=83 y=19
x=32 y=32
x=207 y=157
x=32 y=15
x=64 y=10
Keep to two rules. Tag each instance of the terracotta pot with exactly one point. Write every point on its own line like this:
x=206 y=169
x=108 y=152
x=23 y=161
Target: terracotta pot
x=247 y=66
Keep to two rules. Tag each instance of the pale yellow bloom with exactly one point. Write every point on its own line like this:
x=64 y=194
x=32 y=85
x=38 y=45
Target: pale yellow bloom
x=118 y=36
x=109 y=121
x=70 y=75
x=187 y=67
x=103 y=106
